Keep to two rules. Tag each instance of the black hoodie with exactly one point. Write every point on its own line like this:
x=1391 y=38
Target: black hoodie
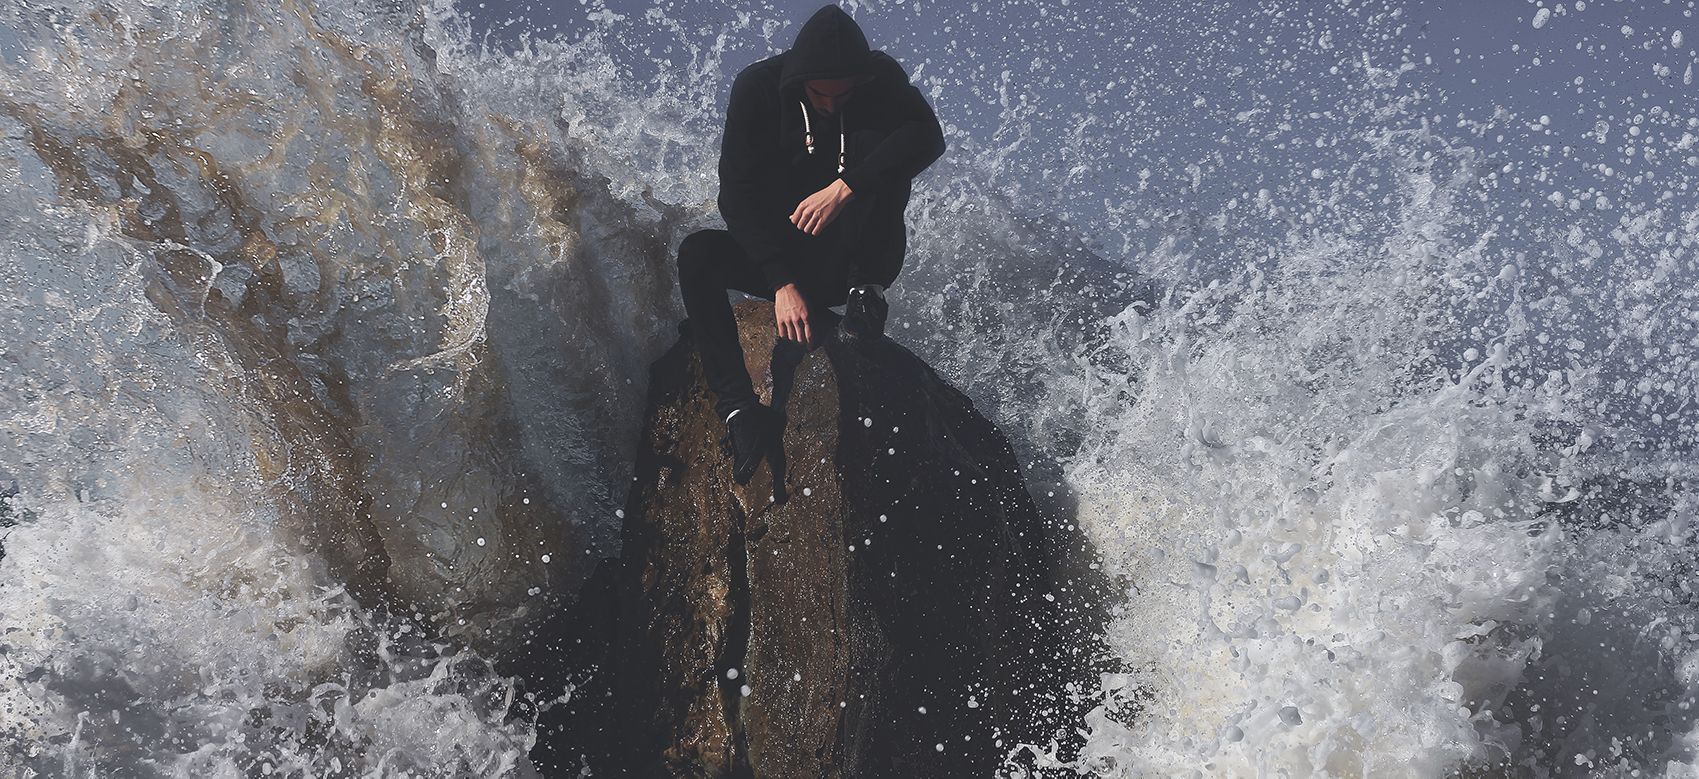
x=889 y=134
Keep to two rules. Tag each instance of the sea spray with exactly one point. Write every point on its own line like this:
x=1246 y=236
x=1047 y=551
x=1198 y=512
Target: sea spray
x=1375 y=388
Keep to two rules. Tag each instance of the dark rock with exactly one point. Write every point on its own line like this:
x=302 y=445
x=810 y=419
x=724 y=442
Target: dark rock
x=886 y=593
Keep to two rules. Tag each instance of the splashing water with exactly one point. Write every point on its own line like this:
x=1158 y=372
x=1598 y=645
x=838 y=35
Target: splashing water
x=1369 y=374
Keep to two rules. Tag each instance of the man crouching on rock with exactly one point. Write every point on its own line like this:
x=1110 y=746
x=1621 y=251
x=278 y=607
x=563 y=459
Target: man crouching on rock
x=812 y=223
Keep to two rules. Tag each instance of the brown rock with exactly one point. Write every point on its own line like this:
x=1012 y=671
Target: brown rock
x=879 y=589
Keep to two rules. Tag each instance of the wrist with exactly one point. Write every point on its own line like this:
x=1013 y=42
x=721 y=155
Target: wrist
x=844 y=191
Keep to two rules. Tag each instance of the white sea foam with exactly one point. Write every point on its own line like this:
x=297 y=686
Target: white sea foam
x=1393 y=466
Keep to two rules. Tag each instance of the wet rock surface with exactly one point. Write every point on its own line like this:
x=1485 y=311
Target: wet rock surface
x=882 y=600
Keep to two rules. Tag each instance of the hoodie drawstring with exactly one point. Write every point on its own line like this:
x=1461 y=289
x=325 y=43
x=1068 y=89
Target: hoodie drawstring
x=808 y=133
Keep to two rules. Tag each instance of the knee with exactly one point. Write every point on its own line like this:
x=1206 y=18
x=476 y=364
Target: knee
x=697 y=254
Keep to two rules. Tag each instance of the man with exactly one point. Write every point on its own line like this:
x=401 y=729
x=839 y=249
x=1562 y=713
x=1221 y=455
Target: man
x=812 y=223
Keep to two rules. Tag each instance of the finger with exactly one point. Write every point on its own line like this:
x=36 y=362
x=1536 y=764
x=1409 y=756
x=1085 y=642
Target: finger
x=807 y=334
x=785 y=329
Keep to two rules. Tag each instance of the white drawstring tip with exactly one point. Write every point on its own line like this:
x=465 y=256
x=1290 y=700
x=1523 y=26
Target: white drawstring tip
x=807 y=128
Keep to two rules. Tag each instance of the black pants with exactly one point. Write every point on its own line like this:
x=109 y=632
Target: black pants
x=711 y=262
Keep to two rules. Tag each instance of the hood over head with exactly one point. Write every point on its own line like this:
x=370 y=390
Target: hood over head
x=829 y=45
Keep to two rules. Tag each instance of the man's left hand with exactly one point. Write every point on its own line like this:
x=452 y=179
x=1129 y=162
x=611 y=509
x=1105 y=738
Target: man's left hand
x=819 y=209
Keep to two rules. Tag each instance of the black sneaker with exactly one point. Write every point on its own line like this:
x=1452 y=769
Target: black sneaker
x=752 y=432
x=865 y=312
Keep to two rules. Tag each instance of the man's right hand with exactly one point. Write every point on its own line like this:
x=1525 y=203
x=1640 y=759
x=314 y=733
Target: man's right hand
x=791 y=313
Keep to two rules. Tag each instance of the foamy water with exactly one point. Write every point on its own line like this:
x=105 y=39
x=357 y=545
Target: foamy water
x=1374 y=390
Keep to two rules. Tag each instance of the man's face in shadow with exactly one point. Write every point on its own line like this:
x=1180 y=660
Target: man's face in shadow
x=828 y=94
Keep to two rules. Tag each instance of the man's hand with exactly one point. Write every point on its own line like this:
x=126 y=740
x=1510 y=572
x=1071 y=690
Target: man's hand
x=819 y=209
x=791 y=313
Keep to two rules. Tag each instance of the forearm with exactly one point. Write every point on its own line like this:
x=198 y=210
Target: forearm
x=903 y=154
